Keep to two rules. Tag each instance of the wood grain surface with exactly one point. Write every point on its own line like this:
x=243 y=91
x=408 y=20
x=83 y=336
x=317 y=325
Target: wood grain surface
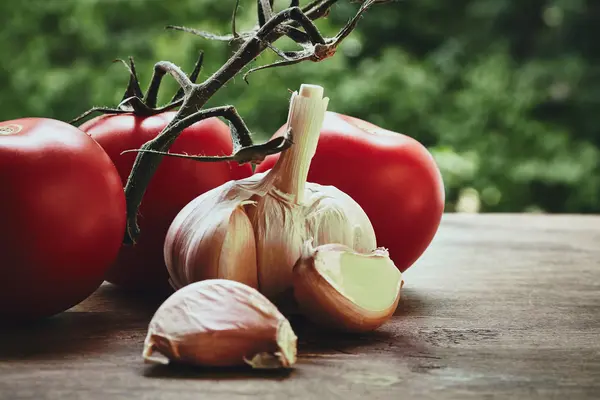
x=500 y=306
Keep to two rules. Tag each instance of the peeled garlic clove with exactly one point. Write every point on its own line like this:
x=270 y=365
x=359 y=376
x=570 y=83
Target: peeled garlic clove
x=342 y=289
x=219 y=322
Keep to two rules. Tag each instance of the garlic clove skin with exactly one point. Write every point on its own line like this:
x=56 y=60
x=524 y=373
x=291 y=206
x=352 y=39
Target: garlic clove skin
x=237 y=259
x=334 y=217
x=212 y=238
x=280 y=231
x=341 y=289
x=220 y=323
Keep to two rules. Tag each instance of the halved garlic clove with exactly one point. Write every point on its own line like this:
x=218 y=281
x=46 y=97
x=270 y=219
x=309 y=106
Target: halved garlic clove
x=219 y=322
x=341 y=289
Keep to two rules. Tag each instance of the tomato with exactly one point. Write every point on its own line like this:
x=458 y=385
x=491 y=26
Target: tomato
x=177 y=181
x=62 y=214
x=392 y=176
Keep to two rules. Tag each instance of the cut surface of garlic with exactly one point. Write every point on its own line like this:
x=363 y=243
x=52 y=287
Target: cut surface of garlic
x=220 y=322
x=340 y=288
x=252 y=230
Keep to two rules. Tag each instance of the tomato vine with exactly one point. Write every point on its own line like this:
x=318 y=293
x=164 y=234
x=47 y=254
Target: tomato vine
x=295 y=22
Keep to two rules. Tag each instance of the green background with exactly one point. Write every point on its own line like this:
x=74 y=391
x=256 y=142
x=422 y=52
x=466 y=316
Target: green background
x=505 y=94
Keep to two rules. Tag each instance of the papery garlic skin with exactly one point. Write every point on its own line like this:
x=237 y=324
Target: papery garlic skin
x=279 y=228
x=220 y=322
x=334 y=217
x=283 y=211
x=212 y=237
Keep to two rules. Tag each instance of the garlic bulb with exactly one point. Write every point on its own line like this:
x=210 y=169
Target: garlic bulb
x=253 y=230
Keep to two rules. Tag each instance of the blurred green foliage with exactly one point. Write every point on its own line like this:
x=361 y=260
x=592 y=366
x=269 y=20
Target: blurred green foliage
x=505 y=94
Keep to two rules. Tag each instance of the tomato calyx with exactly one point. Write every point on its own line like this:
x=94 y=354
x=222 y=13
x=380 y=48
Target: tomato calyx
x=135 y=102
x=294 y=22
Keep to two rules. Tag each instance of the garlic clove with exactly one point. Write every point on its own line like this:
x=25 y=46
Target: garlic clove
x=342 y=289
x=332 y=216
x=280 y=233
x=212 y=238
x=237 y=258
x=219 y=322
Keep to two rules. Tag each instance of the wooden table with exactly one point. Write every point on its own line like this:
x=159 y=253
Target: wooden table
x=500 y=306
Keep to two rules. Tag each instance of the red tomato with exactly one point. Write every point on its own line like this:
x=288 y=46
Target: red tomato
x=63 y=217
x=392 y=176
x=176 y=182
